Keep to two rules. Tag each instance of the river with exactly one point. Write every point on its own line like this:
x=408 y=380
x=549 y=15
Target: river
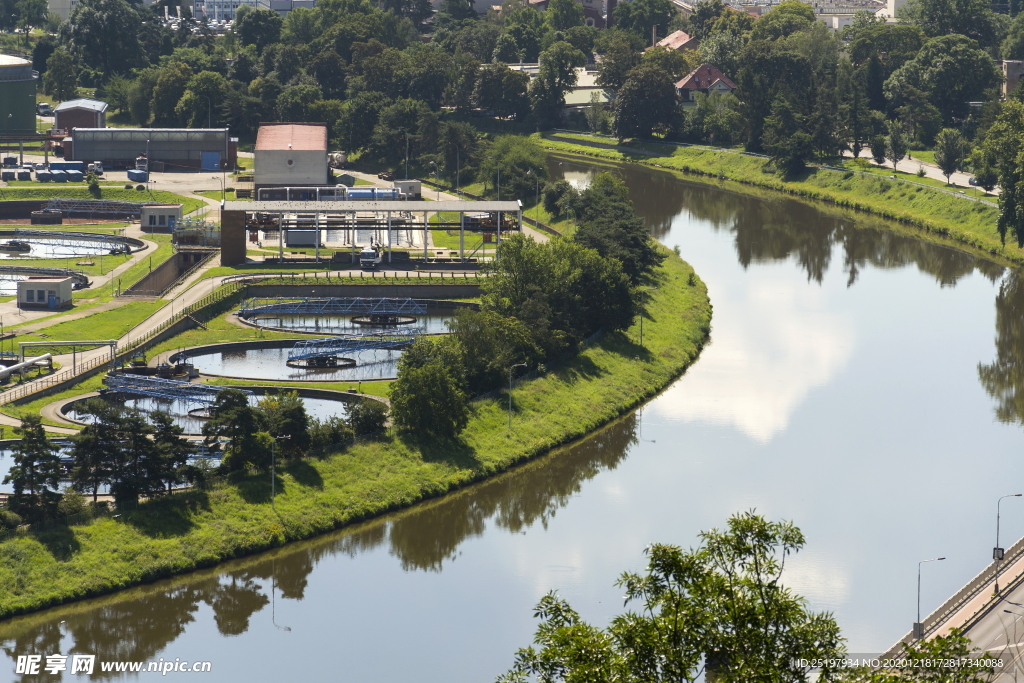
x=859 y=382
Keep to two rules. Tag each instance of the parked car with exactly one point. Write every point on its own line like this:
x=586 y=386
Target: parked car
x=43 y=109
x=973 y=181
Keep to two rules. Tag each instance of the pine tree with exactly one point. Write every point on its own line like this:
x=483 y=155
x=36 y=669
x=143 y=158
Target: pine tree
x=35 y=473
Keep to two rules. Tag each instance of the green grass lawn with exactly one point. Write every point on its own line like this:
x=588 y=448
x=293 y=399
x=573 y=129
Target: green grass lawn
x=73 y=191
x=870 y=167
x=201 y=528
x=216 y=194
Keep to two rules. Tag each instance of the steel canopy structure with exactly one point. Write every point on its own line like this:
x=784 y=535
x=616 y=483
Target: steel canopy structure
x=257 y=307
x=155 y=387
x=338 y=346
x=378 y=215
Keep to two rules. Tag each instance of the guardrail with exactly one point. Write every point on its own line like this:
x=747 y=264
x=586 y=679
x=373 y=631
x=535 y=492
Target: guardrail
x=962 y=597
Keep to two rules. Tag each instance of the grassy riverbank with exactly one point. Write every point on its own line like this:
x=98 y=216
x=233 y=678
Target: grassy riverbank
x=202 y=528
x=964 y=221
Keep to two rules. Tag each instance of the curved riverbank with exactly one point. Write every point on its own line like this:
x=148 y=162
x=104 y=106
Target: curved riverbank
x=202 y=528
x=937 y=213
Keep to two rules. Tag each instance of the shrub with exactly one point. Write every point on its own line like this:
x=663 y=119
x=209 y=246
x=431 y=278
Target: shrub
x=128 y=186
x=140 y=187
x=367 y=417
x=71 y=503
x=9 y=520
x=920 y=171
x=325 y=433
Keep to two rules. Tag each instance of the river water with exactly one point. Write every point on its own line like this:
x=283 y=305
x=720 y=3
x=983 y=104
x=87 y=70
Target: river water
x=860 y=383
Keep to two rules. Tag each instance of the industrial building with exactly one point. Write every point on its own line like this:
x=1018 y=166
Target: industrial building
x=84 y=112
x=291 y=155
x=168 y=149
x=45 y=292
x=17 y=96
x=160 y=216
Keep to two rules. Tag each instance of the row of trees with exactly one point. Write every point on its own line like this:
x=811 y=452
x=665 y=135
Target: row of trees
x=135 y=454
x=540 y=301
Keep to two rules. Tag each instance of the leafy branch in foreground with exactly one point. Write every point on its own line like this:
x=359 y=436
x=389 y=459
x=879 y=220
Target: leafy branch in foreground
x=719 y=609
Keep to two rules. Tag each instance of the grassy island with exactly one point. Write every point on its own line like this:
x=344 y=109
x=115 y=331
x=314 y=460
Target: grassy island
x=233 y=518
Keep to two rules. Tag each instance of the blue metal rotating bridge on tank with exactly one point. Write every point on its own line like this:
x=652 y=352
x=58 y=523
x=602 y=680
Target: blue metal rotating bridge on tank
x=259 y=307
x=339 y=346
x=173 y=389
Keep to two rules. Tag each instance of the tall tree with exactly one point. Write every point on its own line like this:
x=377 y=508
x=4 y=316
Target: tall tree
x=608 y=224
x=723 y=604
x=640 y=16
x=35 y=473
x=562 y=15
x=257 y=26
x=104 y=36
x=896 y=143
x=645 y=103
x=952 y=70
x=61 y=78
x=427 y=400
x=556 y=76
x=950 y=150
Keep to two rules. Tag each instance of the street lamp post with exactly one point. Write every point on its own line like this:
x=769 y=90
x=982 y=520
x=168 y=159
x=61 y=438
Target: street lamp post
x=997 y=552
x=918 y=626
x=536 y=204
x=209 y=111
x=644 y=290
x=273 y=473
x=517 y=365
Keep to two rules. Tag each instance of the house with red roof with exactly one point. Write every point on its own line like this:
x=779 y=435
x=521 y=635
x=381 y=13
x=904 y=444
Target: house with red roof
x=706 y=79
x=679 y=41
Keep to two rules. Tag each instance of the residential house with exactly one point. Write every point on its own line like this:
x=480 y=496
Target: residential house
x=679 y=41
x=705 y=79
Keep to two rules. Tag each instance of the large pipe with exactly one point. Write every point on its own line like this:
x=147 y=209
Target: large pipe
x=6 y=372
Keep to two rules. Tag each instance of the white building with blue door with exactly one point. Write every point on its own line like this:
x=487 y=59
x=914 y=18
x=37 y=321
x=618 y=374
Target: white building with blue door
x=40 y=291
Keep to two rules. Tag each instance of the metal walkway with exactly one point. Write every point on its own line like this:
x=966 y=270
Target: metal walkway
x=76 y=237
x=338 y=346
x=173 y=389
x=343 y=305
x=92 y=207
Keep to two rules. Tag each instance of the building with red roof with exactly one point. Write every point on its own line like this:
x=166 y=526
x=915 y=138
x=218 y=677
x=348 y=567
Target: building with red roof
x=706 y=79
x=291 y=155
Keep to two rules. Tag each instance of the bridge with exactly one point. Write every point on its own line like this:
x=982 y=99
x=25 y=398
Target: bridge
x=339 y=346
x=155 y=387
x=258 y=307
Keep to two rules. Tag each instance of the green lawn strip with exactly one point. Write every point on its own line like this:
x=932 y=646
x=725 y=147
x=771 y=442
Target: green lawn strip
x=887 y=172
x=216 y=194
x=925 y=155
x=199 y=529
x=33 y=407
x=101 y=267
x=442 y=239
x=966 y=222
x=112 y=323
x=49 y=191
x=142 y=267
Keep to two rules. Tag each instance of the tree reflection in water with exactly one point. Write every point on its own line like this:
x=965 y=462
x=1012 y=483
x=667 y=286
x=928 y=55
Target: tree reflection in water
x=1003 y=379
x=138 y=625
